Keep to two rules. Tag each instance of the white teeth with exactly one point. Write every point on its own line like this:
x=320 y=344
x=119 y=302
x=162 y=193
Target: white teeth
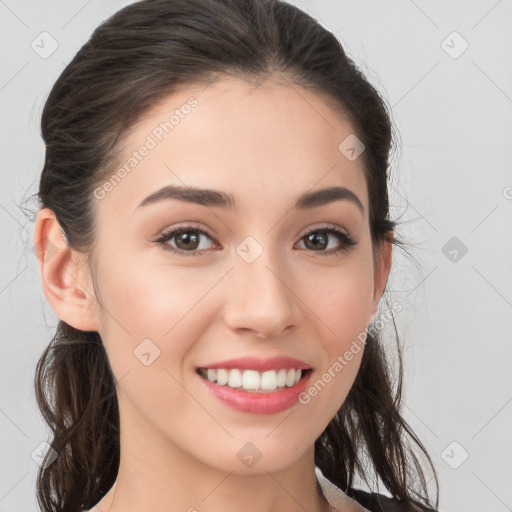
x=268 y=380
x=290 y=378
x=235 y=378
x=252 y=380
x=281 y=378
x=222 y=377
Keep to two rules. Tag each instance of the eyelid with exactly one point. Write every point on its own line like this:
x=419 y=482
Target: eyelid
x=185 y=227
x=324 y=226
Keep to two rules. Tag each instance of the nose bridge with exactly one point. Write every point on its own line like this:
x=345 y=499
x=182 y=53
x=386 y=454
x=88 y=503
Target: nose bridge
x=259 y=298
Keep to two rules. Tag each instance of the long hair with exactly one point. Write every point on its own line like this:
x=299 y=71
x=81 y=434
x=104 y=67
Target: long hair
x=137 y=57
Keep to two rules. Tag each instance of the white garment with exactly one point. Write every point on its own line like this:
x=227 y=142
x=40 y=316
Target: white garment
x=336 y=497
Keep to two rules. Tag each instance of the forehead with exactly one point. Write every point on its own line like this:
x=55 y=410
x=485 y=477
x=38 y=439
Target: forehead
x=239 y=137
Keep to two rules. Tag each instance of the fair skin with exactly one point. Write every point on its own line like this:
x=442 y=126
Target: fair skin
x=266 y=146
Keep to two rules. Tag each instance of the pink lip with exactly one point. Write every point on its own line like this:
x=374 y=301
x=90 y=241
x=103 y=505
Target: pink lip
x=257 y=403
x=260 y=365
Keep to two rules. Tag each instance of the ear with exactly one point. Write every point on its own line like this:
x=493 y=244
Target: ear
x=382 y=266
x=65 y=275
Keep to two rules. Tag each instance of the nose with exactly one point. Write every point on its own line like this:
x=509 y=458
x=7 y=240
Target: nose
x=260 y=300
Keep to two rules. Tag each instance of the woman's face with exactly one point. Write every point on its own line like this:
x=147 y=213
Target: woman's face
x=263 y=278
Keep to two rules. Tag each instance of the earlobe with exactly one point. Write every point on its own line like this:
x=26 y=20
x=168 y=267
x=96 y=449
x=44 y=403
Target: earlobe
x=63 y=274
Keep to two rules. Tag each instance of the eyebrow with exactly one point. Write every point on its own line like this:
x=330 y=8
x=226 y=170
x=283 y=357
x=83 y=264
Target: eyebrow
x=208 y=197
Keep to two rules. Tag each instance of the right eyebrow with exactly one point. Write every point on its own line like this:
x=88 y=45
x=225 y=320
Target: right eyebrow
x=202 y=196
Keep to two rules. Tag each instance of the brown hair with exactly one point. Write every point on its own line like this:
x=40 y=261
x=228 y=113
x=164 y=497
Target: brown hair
x=140 y=55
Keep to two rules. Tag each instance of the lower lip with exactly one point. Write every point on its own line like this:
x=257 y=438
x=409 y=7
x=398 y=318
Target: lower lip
x=258 y=403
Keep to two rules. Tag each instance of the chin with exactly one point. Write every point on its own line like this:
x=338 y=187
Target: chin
x=259 y=455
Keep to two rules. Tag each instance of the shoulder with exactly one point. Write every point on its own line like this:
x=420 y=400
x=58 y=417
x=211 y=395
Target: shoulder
x=375 y=502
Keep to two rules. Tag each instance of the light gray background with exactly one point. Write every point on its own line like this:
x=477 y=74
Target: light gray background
x=453 y=179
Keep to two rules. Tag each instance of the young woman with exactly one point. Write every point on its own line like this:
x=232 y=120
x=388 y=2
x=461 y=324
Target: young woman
x=214 y=236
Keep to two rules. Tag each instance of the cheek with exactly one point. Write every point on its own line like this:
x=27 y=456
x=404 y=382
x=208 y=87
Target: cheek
x=146 y=297
x=341 y=300
x=152 y=313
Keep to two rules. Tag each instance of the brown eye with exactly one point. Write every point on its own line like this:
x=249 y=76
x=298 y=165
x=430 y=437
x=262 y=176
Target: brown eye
x=188 y=241
x=317 y=240
x=185 y=240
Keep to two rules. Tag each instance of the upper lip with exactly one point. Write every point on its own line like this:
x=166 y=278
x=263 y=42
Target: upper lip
x=258 y=364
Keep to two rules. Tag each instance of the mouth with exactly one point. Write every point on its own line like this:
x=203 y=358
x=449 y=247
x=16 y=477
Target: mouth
x=253 y=381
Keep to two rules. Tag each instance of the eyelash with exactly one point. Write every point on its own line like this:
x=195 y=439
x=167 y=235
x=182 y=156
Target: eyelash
x=347 y=242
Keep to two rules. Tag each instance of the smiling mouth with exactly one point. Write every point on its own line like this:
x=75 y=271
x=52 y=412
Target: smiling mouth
x=253 y=381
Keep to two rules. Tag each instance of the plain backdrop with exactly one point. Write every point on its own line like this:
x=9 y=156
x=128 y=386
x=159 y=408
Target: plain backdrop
x=444 y=68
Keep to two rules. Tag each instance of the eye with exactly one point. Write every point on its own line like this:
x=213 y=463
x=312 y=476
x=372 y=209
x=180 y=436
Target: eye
x=319 y=241
x=187 y=240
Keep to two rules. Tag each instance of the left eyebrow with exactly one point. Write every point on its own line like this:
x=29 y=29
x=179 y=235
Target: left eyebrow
x=208 y=197
x=327 y=195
